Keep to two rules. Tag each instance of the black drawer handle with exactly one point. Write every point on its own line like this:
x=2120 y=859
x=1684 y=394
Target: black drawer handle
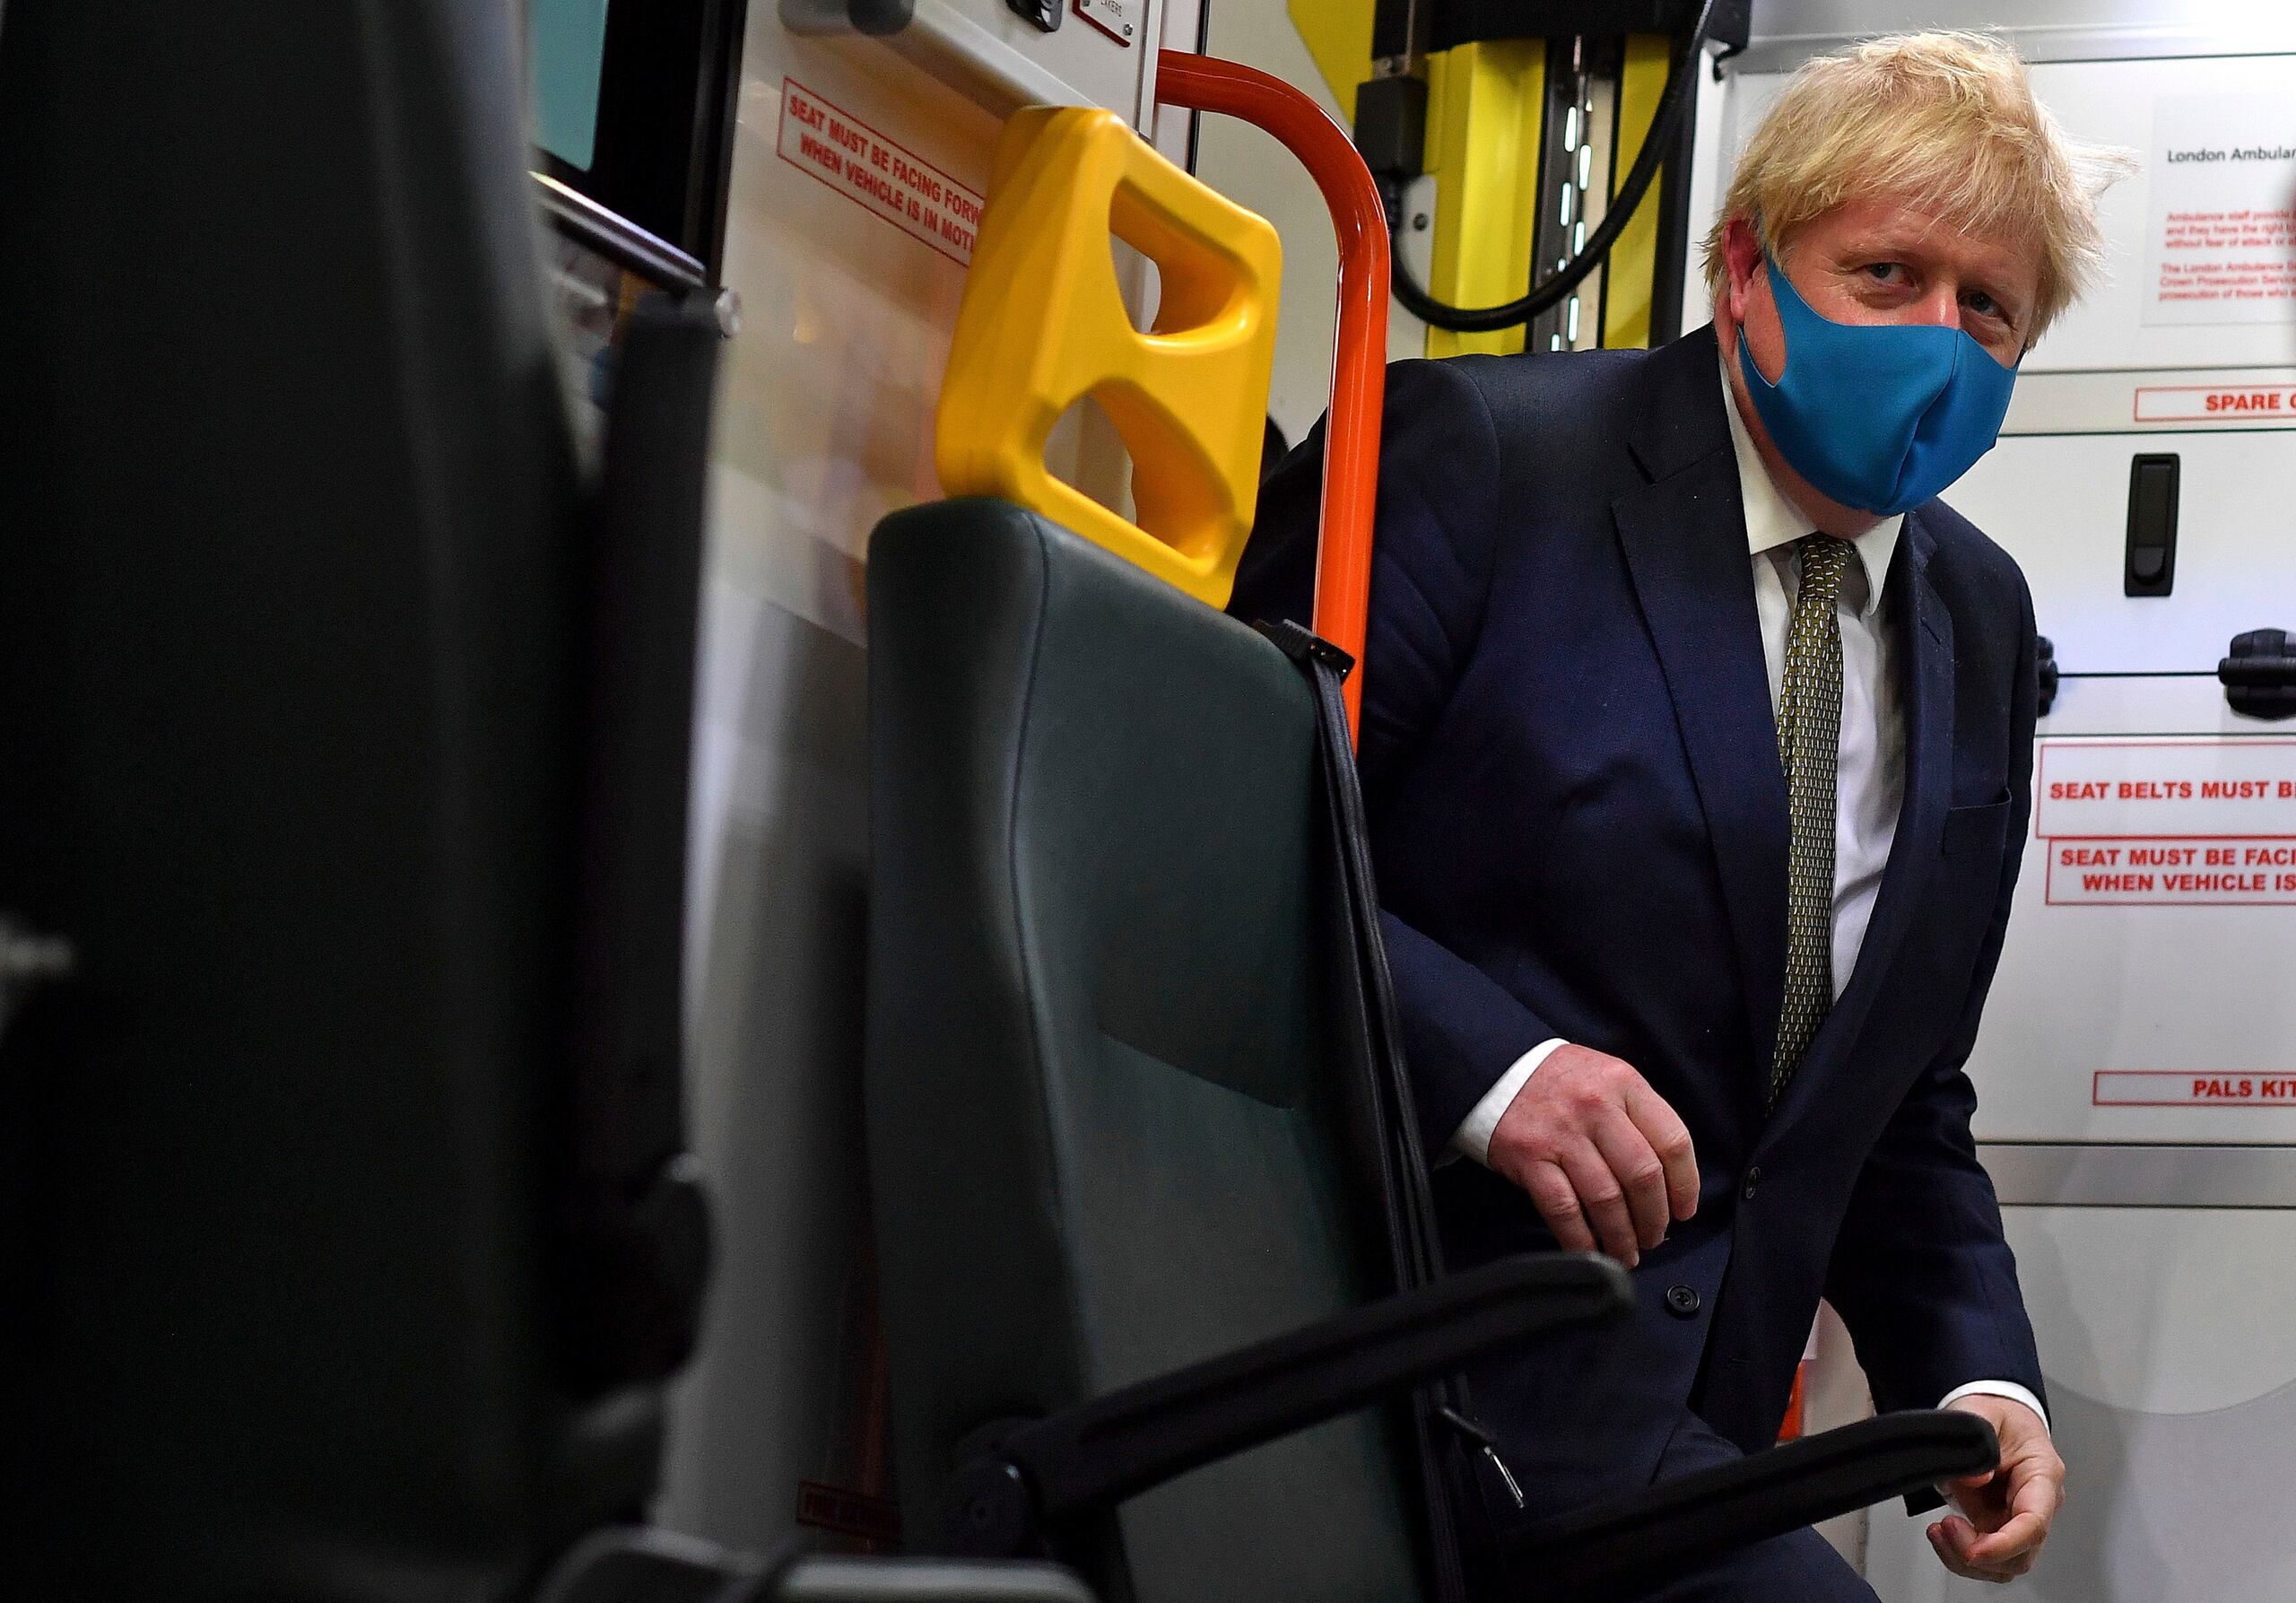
x=2260 y=678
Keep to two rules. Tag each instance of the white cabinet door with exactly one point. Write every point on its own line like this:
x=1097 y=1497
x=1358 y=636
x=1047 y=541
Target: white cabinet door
x=2145 y=989
x=2169 y=1339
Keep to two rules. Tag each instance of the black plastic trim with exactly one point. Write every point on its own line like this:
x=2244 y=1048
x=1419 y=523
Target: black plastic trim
x=1616 y=1547
x=1088 y=1458
x=617 y=238
x=668 y=89
x=1466 y=22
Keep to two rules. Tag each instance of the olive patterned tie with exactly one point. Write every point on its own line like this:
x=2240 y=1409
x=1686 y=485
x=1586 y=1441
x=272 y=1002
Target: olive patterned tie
x=1809 y=740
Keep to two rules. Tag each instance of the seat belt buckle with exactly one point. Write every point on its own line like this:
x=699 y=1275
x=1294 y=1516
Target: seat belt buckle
x=1482 y=1436
x=1304 y=645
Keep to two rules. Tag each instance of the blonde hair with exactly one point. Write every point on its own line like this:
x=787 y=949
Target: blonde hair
x=1944 y=121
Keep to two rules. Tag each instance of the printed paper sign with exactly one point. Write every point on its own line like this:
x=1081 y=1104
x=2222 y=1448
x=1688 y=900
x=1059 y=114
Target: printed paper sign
x=2221 y=241
x=880 y=176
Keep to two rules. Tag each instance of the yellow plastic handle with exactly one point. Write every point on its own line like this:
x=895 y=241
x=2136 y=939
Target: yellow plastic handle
x=1043 y=324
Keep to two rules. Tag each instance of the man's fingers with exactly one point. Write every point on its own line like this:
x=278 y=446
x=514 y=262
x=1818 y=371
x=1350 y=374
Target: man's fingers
x=2021 y=1538
x=1604 y=1200
x=1945 y=1553
x=1999 y=1556
x=1669 y=1138
x=1950 y=1557
x=1639 y=1173
x=1589 y=1122
x=1960 y=1537
x=2006 y=1516
x=1557 y=1200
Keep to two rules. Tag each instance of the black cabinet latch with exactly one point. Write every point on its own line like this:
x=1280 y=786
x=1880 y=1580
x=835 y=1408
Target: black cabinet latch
x=2149 y=564
x=2260 y=678
x=2045 y=662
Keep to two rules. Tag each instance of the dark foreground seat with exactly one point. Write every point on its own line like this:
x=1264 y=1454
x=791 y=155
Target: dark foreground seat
x=344 y=1244
x=1131 y=1222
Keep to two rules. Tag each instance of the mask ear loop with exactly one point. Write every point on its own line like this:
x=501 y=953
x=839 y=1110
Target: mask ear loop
x=1771 y=269
x=2014 y=366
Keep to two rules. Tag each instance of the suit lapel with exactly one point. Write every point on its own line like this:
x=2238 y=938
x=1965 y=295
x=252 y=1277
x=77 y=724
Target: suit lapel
x=1925 y=630
x=1683 y=534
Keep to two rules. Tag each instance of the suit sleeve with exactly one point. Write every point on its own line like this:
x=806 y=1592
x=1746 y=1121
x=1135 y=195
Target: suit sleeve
x=1920 y=1272
x=1433 y=549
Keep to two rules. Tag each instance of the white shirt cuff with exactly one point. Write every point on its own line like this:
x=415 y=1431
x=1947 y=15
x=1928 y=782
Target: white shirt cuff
x=2008 y=1388
x=1472 y=1139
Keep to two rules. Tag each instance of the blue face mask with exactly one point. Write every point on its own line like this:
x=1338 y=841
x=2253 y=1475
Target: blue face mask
x=1880 y=416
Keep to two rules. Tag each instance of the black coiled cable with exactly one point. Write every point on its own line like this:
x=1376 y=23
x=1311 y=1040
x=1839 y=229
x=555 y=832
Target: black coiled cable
x=1544 y=297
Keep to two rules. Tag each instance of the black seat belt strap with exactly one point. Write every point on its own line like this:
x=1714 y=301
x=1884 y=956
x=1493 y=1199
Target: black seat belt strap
x=1442 y=1422
x=633 y=1223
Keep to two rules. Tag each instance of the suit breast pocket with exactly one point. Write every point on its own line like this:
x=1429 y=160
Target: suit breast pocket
x=1973 y=834
x=1942 y=952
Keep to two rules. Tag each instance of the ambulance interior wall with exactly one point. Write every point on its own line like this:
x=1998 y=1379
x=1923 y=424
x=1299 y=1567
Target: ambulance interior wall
x=824 y=425
x=854 y=178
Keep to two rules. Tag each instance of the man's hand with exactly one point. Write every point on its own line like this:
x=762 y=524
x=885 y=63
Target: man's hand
x=1603 y=1156
x=2010 y=1509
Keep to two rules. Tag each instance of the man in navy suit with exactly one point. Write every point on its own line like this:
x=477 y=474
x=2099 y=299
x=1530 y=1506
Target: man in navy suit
x=1696 y=741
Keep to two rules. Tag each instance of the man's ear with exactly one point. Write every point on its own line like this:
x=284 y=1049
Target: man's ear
x=1740 y=255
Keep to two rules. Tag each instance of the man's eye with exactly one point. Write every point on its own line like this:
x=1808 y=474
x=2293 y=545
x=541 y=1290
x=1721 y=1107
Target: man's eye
x=1885 y=272
x=1983 y=304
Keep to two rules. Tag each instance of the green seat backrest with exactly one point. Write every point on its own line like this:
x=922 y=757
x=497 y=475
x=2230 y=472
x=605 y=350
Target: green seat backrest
x=291 y=630
x=1101 y=1119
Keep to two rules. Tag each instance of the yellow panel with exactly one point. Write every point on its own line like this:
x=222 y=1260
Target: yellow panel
x=1632 y=269
x=1338 y=35
x=1043 y=324
x=1484 y=105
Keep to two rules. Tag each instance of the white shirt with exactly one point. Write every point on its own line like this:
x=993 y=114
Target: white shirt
x=1869 y=786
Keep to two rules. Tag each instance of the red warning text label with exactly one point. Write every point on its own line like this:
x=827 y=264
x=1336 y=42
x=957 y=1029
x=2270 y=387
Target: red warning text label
x=2142 y=1088
x=2274 y=404
x=2172 y=873
x=867 y=168
x=2165 y=789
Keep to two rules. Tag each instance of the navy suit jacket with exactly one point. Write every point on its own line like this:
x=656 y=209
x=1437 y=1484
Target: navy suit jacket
x=1580 y=825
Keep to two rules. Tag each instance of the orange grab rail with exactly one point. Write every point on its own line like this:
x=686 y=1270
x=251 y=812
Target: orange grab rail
x=1358 y=377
